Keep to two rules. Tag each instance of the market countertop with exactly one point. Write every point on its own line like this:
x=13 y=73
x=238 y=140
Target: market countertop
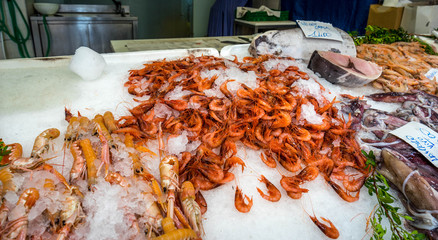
x=178 y=43
x=39 y=89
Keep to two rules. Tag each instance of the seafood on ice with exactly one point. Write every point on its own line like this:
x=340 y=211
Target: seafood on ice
x=404 y=66
x=269 y=104
x=344 y=70
x=406 y=168
x=293 y=43
x=70 y=201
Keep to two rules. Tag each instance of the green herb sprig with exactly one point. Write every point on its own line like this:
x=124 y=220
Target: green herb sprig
x=378 y=186
x=3 y=149
x=379 y=35
x=427 y=48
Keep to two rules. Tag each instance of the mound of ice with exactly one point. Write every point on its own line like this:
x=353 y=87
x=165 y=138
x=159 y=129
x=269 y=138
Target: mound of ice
x=308 y=113
x=177 y=145
x=87 y=63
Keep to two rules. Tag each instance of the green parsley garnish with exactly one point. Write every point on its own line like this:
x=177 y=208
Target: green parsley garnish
x=378 y=186
x=3 y=150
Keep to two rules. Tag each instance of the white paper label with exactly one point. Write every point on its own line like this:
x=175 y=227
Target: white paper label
x=422 y=138
x=322 y=30
x=432 y=73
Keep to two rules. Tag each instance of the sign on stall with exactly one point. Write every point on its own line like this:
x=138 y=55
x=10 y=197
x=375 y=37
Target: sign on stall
x=432 y=73
x=322 y=30
x=422 y=138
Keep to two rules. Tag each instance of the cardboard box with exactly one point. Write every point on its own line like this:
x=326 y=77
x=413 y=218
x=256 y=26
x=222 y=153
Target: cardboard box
x=387 y=17
x=420 y=19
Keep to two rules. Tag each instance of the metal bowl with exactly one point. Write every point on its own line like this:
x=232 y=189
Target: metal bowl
x=46 y=8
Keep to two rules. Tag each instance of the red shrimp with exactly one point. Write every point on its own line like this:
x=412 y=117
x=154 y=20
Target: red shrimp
x=273 y=195
x=344 y=194
x=232 y=161
x=269 y=160
x=330 y=231
x=239 y=201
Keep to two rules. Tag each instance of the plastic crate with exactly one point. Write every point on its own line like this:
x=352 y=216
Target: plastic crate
x=263 y=16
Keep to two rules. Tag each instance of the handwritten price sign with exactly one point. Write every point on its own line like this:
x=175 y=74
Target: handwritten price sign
x=315 y=29
x=432 y=73
x=422 y=138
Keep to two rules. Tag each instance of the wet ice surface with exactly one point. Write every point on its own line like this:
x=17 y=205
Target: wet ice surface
x=32 y=110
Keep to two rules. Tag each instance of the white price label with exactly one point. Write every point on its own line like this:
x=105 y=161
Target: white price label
x=422 y=138
x=315 y=29
x=432 y=73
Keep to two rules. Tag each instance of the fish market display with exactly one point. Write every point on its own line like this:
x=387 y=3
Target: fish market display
x=98 y=157
x=215 y=109
x=413 y=175
x=404 y=66
x=293 y=43
x=301 y=131
x=343 y=69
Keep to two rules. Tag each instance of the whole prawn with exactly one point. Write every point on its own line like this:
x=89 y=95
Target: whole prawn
x=4 y=211
x=24 y=164
x=6 y=178
x=152 y=213
x=273 y=195
x=137 y=166
x=117 y=178
x=169 y=169
x=342 y=193
x=109 y=121
x=105 y=155
x=239 y=201
x=70 y=214
x=16 y=151
x=90 y=157
x=99 y=124
x=169 y=180
x=77 y=127
x=330 y=231
x=42 y=142
x=191 y=208
x=78 y=169
x=17 y=227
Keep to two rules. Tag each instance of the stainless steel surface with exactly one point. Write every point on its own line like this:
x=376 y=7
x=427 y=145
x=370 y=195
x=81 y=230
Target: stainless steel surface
x=178 y=43
x=87 y=8
x=70 y=30
x=101 y=35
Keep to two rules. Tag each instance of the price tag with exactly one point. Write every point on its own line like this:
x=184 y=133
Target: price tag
x=432 y=73
x=422 y=138
x=322 y=30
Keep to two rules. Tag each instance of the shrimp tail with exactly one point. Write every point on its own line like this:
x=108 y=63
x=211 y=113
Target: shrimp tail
x=6 y=178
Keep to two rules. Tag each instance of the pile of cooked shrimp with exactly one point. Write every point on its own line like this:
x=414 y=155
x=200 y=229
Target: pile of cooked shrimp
x=272 y=117
x=404 y=66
